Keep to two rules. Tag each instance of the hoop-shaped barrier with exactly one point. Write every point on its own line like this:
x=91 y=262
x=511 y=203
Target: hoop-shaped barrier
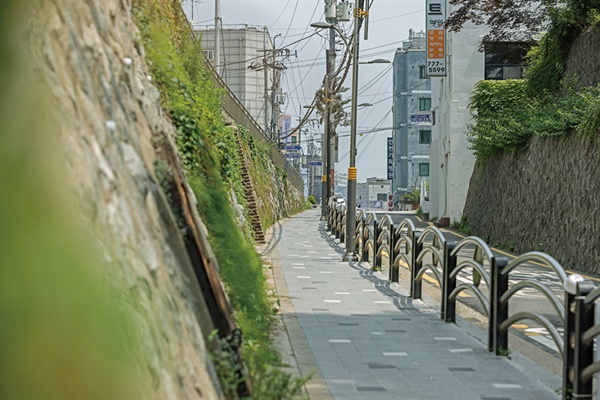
x=369 y=236
x=581 y=302
x=454 y=265
x=501 y=295
x=404 y=243
x=403 y=236
x=420 y=247
x=385 y=240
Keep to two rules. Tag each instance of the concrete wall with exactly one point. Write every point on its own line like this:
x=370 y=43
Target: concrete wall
x=546 y=198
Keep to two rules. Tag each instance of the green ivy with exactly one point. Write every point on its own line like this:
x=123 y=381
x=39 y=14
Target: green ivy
x=547 y=60
x=209 y=151
x=505 y=117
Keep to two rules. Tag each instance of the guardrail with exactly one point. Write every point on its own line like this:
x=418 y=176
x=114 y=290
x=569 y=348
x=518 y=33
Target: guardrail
x=490 y=282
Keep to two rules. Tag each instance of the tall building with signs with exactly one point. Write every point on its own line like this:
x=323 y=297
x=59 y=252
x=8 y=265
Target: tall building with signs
x=411 y=116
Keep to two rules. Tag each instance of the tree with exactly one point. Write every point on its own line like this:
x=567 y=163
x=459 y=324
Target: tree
x=522 y=20
x=561 y=22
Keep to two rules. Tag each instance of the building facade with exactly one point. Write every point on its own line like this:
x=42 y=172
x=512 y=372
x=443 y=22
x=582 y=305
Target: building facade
x=411 y=116
x=373 y=193
x=249 y=66
x=451 y=159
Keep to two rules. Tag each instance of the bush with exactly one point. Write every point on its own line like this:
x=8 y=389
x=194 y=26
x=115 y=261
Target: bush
x=311 y=199
x=505 y=117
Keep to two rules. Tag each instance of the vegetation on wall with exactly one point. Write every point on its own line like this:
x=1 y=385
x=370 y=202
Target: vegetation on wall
x=209 y=151
x=508 y=113
x=505 y=117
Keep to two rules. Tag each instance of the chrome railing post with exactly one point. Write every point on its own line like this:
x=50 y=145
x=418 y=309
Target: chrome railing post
x=449 y=283
x=416 y=287
x=392 y=251
x=359 y=232
x=499 y=311
x=365 y=239
x=578 y=355
x=376 y=256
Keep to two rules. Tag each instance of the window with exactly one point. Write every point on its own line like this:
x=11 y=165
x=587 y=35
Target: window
x=423 y=169
x=208 y=54
x=381 y=196
x=424 y=104
x=425 y=137
x=422 y=72
x=505 y=60
x=293 y=139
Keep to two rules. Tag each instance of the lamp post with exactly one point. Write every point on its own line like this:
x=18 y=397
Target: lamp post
x=350 y=255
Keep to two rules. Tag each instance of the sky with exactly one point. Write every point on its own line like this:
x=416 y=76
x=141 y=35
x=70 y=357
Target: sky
x=389 y=24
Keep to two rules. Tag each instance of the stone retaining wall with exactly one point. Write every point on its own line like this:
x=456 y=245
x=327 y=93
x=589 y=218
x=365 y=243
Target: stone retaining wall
x=583 y=64
x=546 y=198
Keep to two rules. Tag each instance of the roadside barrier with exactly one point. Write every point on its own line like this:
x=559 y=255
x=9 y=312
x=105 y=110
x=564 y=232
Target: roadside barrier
x=488 y=279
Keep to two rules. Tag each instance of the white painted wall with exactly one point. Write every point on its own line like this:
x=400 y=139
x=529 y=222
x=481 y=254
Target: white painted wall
x=451 y=160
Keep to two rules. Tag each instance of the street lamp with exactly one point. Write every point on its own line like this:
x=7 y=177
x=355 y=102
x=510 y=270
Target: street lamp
x=376 y=61
x=327 y=25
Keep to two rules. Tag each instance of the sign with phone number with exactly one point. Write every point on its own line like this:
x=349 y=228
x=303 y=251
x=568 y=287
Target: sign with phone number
x=436 y=37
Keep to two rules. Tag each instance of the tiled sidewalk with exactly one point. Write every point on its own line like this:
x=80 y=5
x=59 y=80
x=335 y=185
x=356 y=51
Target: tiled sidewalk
x=369 y=340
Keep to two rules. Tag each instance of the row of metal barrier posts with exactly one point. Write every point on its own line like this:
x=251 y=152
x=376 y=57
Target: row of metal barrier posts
x=404 y=243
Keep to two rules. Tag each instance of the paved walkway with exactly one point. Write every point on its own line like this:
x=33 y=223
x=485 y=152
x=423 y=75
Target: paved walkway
x=364 y=338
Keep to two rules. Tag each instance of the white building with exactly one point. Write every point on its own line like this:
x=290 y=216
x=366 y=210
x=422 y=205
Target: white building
x=451 y=161
x=245 y=50
x=373 y=193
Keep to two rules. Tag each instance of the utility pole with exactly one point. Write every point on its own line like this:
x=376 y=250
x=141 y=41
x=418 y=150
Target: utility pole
x=217 y=55
x=350 y=255
x=266 y=79
x=330 y=122
x=328 y=166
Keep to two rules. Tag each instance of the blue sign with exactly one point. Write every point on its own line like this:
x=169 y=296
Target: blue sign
x=292 y=147
x=293 y=155
x=314 y=163
x=390 y=158
x=420 y=119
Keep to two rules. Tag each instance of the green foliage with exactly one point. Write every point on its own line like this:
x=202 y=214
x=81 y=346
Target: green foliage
x=505 y=117
x=209 y=152
x=311 y=199
x=414 y=195
x=547 y=60
x=503 y=352
x=461 y=225
x=66 y=331
x=226 y=362
x=420 y=212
